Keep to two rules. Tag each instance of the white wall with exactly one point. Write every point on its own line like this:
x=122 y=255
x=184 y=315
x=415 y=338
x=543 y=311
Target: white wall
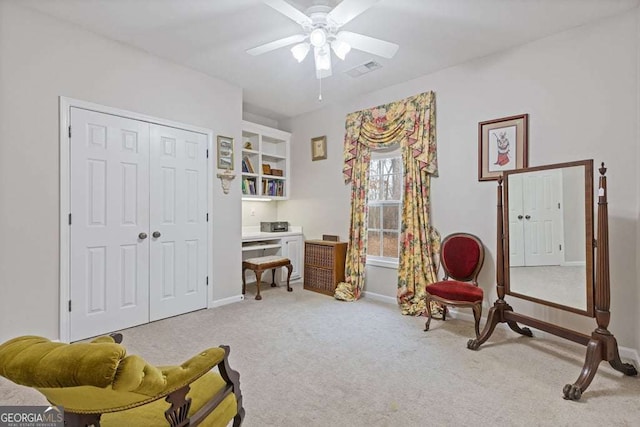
x=42 y=58
x=580 y=88
x=255 y=118
x=321 y=200
x=255 y=212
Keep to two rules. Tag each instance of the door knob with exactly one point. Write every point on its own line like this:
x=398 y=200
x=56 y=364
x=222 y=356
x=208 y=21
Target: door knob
x=142 y=236
x=519 y=216
x=156 y=234
x=528 y=216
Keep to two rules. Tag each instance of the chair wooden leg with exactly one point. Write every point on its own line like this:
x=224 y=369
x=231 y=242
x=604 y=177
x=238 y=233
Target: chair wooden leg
x=477 y=313
x=444 y=312
x=258 y=278
x=426 y=325
x=244 y=281
x=273 y=277
x=289 y=271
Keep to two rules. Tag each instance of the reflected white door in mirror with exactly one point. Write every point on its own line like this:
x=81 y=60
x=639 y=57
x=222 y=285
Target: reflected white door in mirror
x=548 y=221
x=545 y=254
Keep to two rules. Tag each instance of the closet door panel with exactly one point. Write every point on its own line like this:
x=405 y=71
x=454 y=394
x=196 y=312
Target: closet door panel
x=109 y=277
x=178 y=199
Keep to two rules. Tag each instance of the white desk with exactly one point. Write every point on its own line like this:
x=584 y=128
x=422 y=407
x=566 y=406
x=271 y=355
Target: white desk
x=288 y=244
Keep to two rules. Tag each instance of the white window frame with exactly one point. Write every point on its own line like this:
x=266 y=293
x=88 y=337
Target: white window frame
x=382 y=261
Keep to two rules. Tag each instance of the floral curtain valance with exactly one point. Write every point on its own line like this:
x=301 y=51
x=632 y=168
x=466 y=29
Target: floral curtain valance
x=409 y=122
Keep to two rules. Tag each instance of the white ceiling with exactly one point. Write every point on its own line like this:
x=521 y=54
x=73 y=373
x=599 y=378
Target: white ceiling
x=212 y=35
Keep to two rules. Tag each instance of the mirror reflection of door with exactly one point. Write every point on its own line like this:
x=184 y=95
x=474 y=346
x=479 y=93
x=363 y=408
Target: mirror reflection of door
x=549 y=212
x=536 y=219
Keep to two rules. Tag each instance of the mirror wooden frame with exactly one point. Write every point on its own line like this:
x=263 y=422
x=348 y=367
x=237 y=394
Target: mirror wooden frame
x=601 y=344
x=589 y=239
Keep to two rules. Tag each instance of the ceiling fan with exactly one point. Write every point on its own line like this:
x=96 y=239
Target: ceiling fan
x=321 y=31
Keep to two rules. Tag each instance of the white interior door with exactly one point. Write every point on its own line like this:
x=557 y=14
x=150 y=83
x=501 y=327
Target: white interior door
x=178 y=202
x=543 y=218
x=109 y=274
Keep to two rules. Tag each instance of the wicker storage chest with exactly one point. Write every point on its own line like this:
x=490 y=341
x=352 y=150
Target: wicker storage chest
x=323 y=265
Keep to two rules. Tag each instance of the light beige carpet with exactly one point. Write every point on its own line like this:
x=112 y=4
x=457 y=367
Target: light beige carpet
x=306 y=359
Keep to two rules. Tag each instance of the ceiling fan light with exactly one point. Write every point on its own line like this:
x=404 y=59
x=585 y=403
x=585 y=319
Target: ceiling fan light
x=323 y=59
x=300 y=51
x=318 y=37
x=340 y=48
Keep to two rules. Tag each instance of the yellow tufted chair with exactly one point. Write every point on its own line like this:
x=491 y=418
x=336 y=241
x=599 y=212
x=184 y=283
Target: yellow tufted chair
x=99 y=385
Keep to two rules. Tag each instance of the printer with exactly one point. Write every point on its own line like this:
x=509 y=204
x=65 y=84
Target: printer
x=274 y=227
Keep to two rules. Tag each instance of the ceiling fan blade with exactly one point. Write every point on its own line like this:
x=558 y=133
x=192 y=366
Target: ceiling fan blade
x=349 y=9
x=277 y=44
x=369 y=44
x=289 y=11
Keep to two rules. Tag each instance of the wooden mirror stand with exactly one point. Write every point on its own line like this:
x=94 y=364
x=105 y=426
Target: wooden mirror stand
x=601 y=344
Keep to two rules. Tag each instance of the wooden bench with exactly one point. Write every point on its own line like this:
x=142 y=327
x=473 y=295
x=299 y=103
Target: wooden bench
x=260 y=264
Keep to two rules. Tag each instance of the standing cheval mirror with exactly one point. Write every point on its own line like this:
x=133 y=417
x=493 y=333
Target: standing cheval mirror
x=545 y=251
x=548 y=227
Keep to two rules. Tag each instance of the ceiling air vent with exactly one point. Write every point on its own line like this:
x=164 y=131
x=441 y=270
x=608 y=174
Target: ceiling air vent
x=365 y=68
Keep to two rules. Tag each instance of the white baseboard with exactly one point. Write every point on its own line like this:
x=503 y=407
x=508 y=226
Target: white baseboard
x=630 y=354
x=626 y=354
x=573 y=264
x=225 y=301
x=278 y=281
x=463 y=315
x=379 y=297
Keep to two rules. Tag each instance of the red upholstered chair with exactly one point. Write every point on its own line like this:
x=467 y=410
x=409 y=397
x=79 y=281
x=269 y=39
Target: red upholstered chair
x=461 y=256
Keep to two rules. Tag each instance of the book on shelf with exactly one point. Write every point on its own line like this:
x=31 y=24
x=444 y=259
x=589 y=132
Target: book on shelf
x=246 y=162
x=249 y=186
x=273 y=187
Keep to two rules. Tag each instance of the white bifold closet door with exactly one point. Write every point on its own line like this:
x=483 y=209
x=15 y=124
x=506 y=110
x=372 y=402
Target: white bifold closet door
x=138 y=232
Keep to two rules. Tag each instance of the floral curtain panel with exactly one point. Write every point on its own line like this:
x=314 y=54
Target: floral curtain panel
x=411 y=123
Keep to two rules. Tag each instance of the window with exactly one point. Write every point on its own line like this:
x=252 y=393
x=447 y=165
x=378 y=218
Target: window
x=385 y=202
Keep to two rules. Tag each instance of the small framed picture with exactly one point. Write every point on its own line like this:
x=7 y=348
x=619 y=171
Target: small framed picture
x=319 y=148
x=502 y=146
x=225 y=152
